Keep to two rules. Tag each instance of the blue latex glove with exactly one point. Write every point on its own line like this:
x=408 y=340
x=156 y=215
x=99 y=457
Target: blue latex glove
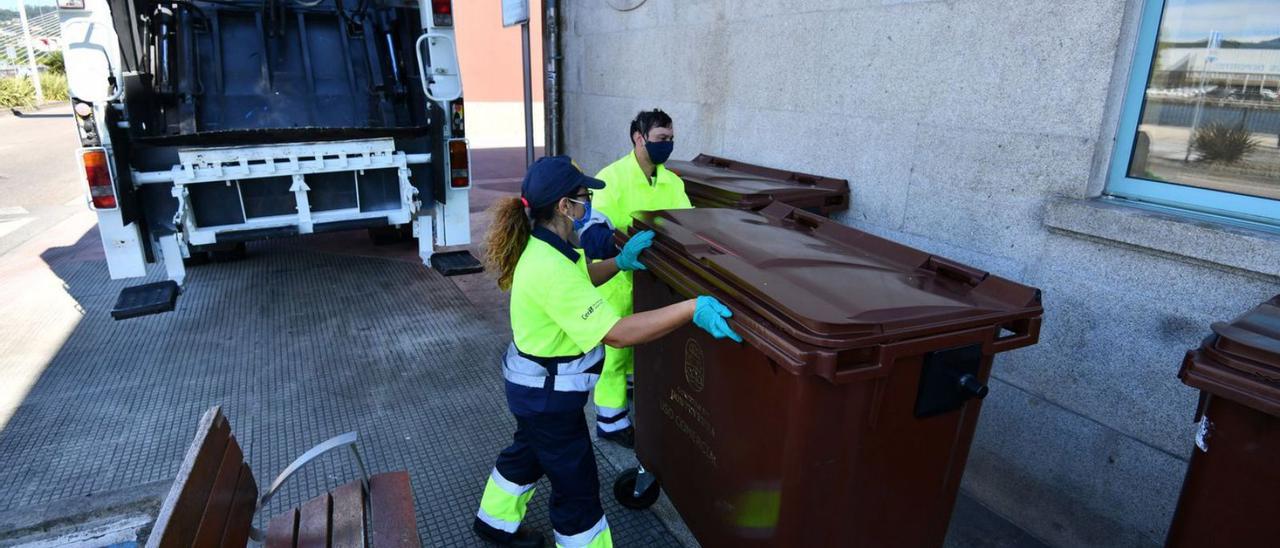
x=710 y=315
x=629 y=257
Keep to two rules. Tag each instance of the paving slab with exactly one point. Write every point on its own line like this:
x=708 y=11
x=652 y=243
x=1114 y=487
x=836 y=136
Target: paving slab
x=305 y=339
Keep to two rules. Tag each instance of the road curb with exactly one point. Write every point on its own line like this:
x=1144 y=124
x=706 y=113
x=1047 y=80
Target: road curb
x=49 y=518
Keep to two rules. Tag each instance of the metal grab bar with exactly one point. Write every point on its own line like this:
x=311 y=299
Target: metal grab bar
x=336 y=442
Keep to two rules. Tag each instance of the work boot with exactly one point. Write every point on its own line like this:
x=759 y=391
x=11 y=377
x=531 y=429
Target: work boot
x=524 y=537
x=625 y=437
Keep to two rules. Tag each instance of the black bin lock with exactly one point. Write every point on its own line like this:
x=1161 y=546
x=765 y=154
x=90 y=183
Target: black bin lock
x=948 y=379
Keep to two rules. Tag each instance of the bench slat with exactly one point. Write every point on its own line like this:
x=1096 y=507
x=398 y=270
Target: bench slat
x=240 y=520
x=223 y=492
x=348 y=516
x=313 y=523
x=180 y=515
x=391 y=511
x=281 y=530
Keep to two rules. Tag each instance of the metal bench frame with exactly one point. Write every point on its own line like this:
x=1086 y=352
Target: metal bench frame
x=337 y=442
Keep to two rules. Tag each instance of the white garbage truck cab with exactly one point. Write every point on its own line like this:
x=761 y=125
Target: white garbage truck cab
x=206 y=124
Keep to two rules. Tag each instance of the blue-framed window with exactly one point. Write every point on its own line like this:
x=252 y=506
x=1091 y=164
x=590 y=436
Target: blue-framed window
x=1200 y=128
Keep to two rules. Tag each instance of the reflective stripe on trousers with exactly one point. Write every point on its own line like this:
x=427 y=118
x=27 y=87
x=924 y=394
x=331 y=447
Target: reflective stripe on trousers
x=504 y=503
x=610 y=419
x=598 y=536
x=574 y=375
x=556 y=446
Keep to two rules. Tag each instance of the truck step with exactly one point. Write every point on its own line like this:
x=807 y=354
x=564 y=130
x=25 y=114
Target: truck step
x=142 y=300
x=455 y=263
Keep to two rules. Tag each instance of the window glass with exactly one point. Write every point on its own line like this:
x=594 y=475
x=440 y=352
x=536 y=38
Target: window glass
x=1211 y=112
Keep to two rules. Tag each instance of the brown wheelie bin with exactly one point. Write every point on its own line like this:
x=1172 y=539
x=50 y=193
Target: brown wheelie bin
x=1231 y=495
x=845 y=418
x=720 y=182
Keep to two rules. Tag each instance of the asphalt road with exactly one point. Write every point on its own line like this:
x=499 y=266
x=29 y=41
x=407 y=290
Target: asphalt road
x=39 y=179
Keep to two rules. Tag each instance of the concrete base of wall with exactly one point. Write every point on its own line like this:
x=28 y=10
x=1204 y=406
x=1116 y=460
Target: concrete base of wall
x=500 y=124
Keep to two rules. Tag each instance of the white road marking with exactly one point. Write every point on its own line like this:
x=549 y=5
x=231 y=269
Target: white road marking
x=8 y=227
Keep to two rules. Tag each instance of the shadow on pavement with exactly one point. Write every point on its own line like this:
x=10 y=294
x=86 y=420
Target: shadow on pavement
x=302 y=340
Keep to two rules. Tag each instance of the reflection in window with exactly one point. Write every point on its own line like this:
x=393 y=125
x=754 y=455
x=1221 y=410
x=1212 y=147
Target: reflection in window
x=1211 y=117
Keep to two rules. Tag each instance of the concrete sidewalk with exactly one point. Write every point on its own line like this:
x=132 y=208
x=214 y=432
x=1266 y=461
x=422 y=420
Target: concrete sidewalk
x=304 y=339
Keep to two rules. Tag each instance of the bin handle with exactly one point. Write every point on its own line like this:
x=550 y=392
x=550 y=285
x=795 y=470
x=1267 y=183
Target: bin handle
x=720 y=162
x=804 y=218
x=1025 y=333
x=955 y=271
x=1261 y=342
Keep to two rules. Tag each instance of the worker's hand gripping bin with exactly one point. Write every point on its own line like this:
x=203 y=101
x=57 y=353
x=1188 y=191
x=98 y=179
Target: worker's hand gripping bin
x=711 y=181
x=845 y=418
x=1231 y=495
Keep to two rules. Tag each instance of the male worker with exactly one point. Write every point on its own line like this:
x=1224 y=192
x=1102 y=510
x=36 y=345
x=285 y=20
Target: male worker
x=636 y=182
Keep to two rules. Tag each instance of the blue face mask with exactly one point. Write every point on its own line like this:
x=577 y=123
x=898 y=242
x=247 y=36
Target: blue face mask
x=581 y=223
x=659 y=151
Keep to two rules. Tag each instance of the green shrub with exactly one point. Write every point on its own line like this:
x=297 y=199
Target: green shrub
x=17 y=92
x=1220 y=143
x=54 y=87
x=53 y=61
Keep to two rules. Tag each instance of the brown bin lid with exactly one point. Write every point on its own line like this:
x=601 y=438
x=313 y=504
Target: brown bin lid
x=1241 y=360
x=738 y=184
x=828 y=284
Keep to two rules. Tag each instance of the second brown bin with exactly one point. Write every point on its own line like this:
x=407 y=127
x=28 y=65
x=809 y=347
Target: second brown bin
x=1231 y=495
x=711 y=181
x=846 y=417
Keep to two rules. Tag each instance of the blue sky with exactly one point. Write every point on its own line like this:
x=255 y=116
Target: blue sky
x=1246 y=20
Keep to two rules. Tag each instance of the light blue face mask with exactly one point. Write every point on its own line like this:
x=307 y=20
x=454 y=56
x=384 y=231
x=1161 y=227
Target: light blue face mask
x=581 y=223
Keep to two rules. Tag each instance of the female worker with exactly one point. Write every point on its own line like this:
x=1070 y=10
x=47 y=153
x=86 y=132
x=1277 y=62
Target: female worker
x=561 y=324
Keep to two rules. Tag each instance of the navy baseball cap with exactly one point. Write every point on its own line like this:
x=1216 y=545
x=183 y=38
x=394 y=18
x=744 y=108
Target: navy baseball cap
x=553 y=177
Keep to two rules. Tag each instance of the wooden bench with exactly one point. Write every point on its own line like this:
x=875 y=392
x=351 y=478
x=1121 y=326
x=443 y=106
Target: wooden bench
x=215 y=497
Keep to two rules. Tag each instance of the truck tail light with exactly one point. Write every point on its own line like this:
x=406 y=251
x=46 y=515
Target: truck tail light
x=459 y=164
x=442 y=12
x=458 y=119
x=97 y=174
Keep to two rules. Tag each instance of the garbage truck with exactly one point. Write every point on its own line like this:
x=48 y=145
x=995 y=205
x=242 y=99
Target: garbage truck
x=206 y=124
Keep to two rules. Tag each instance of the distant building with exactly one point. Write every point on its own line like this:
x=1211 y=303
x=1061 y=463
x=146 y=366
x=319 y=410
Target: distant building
x=1230 y=67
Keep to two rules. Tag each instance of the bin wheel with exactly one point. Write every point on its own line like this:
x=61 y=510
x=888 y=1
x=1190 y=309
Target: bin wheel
x=624 y=491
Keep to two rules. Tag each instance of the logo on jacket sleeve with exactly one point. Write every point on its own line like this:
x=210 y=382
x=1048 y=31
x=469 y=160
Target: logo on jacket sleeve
x=592 y=309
